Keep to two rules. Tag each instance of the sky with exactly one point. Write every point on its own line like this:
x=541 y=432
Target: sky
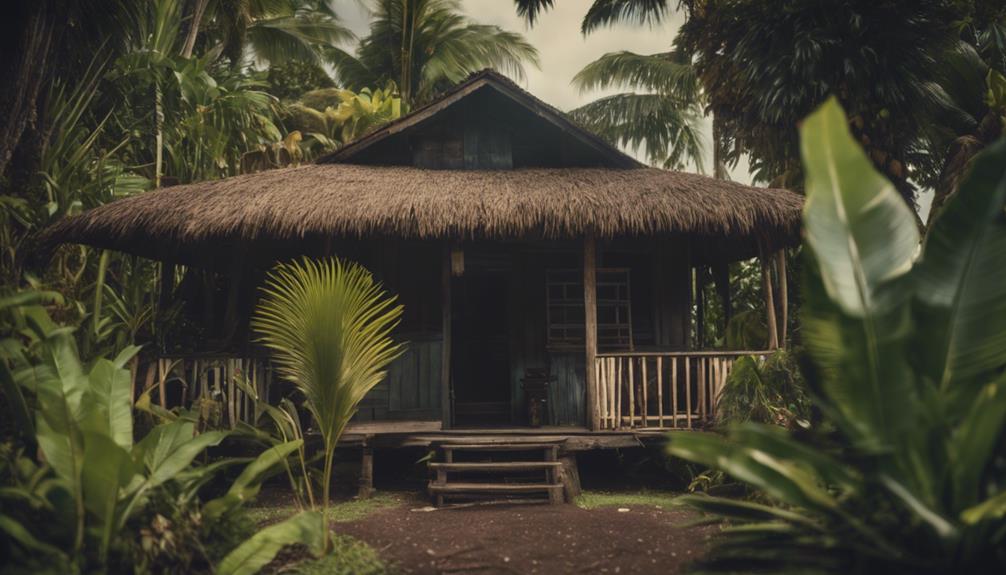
x=562 y=50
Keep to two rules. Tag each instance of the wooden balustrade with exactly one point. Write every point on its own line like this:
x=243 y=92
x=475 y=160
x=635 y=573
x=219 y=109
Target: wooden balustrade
x=183 y=381
x=675 y=390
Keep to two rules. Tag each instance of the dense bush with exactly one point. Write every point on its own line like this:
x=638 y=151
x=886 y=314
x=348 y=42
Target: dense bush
x=908 y=352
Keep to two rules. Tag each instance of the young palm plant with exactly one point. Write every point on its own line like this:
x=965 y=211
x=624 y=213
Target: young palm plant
x=329 y=326
x=908 y=352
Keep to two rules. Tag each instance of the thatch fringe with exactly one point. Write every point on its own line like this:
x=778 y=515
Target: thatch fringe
x=342 y=200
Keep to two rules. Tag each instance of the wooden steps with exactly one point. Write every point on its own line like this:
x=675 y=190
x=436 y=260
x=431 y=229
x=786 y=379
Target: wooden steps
x=494 y=466
x=494 y=470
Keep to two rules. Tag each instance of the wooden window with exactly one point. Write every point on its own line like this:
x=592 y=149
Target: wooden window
x=565 y=318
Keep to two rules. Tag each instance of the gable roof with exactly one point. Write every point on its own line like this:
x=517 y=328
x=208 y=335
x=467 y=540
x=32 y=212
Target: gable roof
x=502 y=85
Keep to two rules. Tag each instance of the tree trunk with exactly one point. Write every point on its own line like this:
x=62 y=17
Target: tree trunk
x=190 y=36
x=959 y=159
x=24 y=73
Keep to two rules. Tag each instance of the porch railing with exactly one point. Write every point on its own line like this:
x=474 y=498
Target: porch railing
x=172 y=381
x=661 y=389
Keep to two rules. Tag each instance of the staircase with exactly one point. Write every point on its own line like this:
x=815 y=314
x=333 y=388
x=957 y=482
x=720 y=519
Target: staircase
x=511 y=471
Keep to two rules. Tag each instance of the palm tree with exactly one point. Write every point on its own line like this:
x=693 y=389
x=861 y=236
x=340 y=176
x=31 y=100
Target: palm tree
x=426 y=46
x=329 y=325
x=662 y=112
x=277 y=31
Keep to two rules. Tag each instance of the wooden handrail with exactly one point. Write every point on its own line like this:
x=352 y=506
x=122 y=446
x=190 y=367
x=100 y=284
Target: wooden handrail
x=703 y=353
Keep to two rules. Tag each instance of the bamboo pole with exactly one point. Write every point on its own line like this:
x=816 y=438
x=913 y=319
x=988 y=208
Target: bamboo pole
x=632 y=399
x=674 y=391
x=602 y=385
x=618 y=380
x=688 y=391
x=644 y=383
x=766 y=282
x=660 y=391
x=783 y=296
x=612 y=386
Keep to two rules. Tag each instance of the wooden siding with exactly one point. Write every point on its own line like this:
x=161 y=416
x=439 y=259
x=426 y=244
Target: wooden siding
x=412 y=388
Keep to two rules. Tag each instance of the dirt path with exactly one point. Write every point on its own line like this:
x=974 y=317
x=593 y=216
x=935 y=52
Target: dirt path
x=542 y=539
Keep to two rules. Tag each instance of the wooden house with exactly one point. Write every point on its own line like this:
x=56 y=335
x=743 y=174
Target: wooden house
x=522 y=246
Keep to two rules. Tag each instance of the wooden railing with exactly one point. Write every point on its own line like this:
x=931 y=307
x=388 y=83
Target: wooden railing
x=173 y=381
x=661 y=389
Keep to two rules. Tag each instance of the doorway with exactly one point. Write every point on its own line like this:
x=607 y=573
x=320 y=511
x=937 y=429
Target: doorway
x=480 y=354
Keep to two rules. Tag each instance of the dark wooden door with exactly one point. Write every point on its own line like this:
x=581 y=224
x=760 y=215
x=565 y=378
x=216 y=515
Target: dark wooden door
x=480 y=351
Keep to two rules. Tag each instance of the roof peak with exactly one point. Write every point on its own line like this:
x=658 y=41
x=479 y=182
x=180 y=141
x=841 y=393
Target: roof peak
x=542 y=112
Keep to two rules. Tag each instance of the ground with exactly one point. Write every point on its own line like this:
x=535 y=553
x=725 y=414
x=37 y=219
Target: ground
x=633 y=532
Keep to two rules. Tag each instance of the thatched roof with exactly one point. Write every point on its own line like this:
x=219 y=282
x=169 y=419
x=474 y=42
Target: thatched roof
x=392 y=201
x=353 y=193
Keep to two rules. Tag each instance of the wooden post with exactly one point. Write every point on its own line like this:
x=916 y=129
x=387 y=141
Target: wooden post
x=445 y=347
x=590 y=325
x=783 y=295
x=366 y=483
x=700 y=307
x=766 y=283
x=569 y=476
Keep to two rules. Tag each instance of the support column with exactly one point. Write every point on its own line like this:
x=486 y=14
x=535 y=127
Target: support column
x=590 y=326
x=783 y=296
x=366 y=483
x=445 y=347
x=767 y=263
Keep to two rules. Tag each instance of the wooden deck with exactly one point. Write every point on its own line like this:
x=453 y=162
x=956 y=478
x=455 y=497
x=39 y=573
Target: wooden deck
x=401 y=434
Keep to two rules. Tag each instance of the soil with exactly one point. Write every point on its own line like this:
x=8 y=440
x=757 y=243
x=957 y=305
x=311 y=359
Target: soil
x=527 y=538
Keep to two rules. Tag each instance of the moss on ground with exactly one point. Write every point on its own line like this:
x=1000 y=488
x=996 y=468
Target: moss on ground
x=349 y=556
x=339 y=513
x=596 y=499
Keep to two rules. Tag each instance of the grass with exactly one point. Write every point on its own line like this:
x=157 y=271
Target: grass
x=349 y=556
x=339 y=513
x=597 y=499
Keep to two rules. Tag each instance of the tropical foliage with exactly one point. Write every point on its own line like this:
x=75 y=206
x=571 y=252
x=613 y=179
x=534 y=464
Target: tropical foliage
x=908 y=354
x=661 y=114
x=329 y=326
x=769 y=390
x=433 y=45
x=94 y=499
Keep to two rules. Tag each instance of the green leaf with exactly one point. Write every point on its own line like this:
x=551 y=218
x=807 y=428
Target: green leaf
x=972 y=446
x=861 y=238
x=305 y=528
x=745 y=511
x=107 y=468
x=862 y=232
x=962 y=308
x=247 y=485
x=170 y=448
x=786 y=481
x=19 y=533
x=109 y=409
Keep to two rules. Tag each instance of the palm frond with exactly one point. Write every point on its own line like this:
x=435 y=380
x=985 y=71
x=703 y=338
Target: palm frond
x=609 y=12
x=329 y=325
x=530 y=10
x=667 y=127
x=665 y=73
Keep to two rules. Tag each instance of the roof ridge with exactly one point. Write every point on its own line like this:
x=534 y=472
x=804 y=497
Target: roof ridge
x=457 y=93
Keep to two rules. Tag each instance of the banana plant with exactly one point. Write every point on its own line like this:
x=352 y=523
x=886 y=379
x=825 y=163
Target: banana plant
x=329 y=326
x=908 y=350
x=82 y=422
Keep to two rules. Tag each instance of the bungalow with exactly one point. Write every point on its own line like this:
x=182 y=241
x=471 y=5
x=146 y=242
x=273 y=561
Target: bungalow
x=547 y=278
